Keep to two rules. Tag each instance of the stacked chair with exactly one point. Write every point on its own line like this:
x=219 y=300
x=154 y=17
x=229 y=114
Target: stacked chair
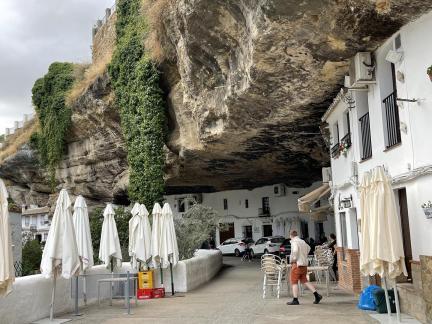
x=274 y=270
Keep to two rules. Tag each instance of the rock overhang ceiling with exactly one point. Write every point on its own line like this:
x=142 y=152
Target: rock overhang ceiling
x=247 y=82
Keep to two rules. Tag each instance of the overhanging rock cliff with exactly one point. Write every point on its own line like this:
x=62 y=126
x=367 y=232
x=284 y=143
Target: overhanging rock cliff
x=246 y=81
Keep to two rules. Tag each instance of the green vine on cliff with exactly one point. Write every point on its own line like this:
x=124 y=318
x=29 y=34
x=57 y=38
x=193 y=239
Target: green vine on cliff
x=48 y=96
x=135 y=79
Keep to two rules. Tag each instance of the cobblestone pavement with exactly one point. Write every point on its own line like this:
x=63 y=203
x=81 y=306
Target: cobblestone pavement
x=234 y=296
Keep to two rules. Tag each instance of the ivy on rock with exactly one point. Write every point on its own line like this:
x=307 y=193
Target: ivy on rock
x=48 y=96
x=135 y=79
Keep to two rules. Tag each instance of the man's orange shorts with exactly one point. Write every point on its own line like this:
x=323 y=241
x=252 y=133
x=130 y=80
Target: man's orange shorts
x=298 y=274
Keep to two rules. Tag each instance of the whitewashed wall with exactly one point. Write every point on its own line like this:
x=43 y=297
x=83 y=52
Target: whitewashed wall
x=415 y=150
x=31 y=295
x=241 y=216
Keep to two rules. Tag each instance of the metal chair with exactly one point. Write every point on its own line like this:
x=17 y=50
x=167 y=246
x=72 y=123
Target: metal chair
x=274 y=270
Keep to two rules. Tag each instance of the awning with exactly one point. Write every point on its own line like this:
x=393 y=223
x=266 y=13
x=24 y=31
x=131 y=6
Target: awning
x=305 y=203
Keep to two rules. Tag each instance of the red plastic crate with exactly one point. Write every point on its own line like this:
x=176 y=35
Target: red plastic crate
x=145 y=293
x=158 y=292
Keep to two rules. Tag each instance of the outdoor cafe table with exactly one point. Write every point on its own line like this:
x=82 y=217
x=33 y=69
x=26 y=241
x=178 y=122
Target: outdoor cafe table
x=314 y=269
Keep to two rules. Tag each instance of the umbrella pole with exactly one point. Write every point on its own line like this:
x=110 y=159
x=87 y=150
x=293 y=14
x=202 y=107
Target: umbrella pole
x=387 y=296
x=112 y=276
x=172 y=280
x=161 y=272
x=53 y=297
x=397 y=303
x=84 y=288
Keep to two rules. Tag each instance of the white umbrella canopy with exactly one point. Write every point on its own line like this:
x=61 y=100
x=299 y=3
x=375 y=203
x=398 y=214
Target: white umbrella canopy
x=382 y=243
x=109 y=249
x=7 y=275
x=139 y=236
x=169 y=248
x=147 y=233
x=60 y=255
x=82 y=232
x=156 y=234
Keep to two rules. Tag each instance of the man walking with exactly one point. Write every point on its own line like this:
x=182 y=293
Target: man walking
x=299 y=261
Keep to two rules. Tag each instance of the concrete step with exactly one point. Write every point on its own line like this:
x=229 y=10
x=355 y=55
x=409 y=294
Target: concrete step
x=411 y=301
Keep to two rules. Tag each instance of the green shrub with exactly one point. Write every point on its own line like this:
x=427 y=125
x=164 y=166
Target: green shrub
x=48 y=95
x=31 y=257
x=135 y=79
x=195 y=227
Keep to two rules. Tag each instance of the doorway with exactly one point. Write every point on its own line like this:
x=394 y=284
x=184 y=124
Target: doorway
x=247 y=231
x=227 y=233
x=403 y=205
x=267 y=230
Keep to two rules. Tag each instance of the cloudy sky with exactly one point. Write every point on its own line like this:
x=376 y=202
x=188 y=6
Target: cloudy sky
x=35 y=33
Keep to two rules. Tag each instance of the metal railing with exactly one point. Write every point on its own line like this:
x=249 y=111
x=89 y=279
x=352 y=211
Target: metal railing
x=335 y=150
x=392 y=120
x=18 y=268
x=346 y=140
x=365 y=137
x=263 y=212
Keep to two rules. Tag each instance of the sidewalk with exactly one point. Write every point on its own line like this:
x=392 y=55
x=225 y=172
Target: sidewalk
x=234 y=296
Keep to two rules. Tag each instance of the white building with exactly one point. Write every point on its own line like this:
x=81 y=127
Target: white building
x=36 y=221
x=384 y=118
x=264 y=211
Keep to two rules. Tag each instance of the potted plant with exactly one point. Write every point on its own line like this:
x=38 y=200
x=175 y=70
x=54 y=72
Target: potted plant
x=427 y=209
x=343 y=148
x=429 y=72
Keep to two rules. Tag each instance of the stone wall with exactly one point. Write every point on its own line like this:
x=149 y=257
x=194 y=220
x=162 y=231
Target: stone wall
x=349 y=269
x=104 y=38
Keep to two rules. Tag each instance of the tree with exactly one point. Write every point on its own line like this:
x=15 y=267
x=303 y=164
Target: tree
x=122 y=217
x=196 y=226
x=31 y=257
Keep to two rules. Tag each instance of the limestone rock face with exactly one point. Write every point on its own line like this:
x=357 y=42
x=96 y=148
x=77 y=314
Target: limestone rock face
x=95 y=165
x=254 y=78
x=247 y=82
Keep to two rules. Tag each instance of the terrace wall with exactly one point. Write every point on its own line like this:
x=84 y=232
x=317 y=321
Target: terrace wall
x=31 y=295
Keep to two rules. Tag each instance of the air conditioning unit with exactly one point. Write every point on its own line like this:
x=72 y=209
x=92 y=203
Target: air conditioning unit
x=361 y=70
x=279 y=190
x=326 y=175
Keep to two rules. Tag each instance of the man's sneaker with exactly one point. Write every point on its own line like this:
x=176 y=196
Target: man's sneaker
x=318 y=298
x=293 y=302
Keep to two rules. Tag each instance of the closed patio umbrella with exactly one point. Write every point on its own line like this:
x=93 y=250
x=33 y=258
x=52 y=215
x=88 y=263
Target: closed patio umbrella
x=109 y=249
x=169 y=247
x=60 y=255
x=156 y=237
x=139 y=236
x=381 y=234
x=147 y=233
x=83 y=238
x=7 y=275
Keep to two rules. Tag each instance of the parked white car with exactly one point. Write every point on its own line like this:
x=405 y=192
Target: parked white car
x=267 y=244
x=232 y=246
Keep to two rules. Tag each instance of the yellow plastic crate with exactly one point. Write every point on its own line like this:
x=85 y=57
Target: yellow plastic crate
x=145 y=280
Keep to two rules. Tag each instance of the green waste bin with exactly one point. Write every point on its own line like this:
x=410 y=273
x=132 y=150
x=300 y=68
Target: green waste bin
x=380 y=300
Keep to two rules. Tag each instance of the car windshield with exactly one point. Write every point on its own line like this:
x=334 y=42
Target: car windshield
x=248 y=240
x=286 y=242
x=277 y=240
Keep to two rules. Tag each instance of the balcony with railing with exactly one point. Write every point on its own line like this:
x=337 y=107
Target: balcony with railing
x=366 y=152
x=263 y=212
x=346 y=141
x=392 y=120
x=335 y=150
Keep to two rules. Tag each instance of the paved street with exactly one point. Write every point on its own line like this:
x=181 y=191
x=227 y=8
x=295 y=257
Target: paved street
x=234 y=296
